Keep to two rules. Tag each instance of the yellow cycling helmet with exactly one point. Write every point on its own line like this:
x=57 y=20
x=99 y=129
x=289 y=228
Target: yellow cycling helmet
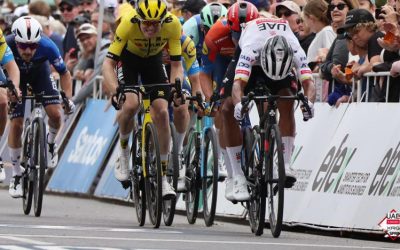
x=151 y=10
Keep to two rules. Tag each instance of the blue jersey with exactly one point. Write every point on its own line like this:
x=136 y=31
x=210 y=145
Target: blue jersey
x=192 y=28
x=46 y=53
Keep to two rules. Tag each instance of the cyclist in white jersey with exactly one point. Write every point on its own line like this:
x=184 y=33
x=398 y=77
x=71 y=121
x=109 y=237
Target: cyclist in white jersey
x=268 y=51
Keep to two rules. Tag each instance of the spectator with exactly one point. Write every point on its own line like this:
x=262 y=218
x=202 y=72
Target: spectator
x=360 y=27
x=338 y=54
x=108 y=23
x=367 y=5
x=315 y=16
x=69 y=10
x=305 y=34
x=191 y=8
x=39 y=8
x=88 y=6
x=87 y=88
x=47 y=30
x=289 y=11
x=87 y=39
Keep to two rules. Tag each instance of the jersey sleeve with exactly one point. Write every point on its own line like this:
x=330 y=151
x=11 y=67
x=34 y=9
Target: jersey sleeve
x=188 y=52
x=53 y=55
x=120 y=38
x=174 y=40
x=300 y=58
x=190 y=29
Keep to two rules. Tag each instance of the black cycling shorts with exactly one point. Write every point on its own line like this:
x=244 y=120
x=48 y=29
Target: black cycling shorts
x=150 y=70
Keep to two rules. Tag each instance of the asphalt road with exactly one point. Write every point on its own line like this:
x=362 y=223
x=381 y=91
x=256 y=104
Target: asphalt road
x=77 y=223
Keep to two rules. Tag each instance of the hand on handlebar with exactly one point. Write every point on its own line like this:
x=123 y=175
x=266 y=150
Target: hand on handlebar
x=118 y=99
x=308 y=110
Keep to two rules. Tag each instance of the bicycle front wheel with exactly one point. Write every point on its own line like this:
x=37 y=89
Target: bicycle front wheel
x=255 y=176
x=153 y=175
x=192 y=175
x=138 y=186
x=172 y=178
x=27 y=183
x=39 y=154
x=210 y=177
x=275 y=180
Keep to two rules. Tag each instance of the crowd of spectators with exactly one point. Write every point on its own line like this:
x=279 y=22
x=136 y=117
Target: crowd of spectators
x=343 y=39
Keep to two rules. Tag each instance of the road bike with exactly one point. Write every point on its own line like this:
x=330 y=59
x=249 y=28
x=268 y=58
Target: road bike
x=146 y=172
x=201 y=161
x=34 y=151
x=263 y=163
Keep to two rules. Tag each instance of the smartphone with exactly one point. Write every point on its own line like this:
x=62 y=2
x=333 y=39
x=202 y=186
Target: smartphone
x=73 y=53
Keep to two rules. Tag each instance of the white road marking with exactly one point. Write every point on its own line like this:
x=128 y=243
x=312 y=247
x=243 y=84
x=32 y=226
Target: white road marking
x=74 y=247
x=13 y=247
x=24 y=240
x=247 y=243
x=97 y=229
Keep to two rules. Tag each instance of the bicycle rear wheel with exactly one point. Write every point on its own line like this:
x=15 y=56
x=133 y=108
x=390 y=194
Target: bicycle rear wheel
x=210 y=176
x=39 y=154
x=138 y=187
x=275 y=180
x=153 y=175
x=255 y=176
x=27 y=184
x=192 y=175
x=172 y=177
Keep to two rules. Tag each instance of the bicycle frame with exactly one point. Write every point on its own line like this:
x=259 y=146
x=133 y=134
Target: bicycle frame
x=146 y=120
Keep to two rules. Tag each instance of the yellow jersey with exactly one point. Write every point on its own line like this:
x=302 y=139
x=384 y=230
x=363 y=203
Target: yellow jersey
x=128 y=35
x=3 y=45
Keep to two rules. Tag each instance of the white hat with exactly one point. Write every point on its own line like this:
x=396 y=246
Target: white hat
x=290 y=5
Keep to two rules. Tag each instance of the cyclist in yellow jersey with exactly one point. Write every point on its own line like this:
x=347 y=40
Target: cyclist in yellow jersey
x=8 y=63
x=136 y=51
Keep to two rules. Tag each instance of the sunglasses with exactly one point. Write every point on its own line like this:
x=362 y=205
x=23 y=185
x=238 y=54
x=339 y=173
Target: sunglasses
x=340 y=6
x=286 y=13
x=69 y=9
x=24 y=46
x=150 y=23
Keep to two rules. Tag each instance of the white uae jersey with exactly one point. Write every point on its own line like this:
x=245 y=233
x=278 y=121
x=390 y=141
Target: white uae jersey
x=252 y=41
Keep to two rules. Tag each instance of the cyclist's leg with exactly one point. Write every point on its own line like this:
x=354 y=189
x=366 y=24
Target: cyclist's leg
x=159 y=112
x=3 y=120
x=128 y=76
x=236 y=186
x=287 y=125
x=42 y=81
x=15 y=144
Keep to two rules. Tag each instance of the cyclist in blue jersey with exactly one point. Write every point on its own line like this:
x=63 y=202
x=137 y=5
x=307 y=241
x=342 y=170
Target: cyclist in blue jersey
x=198 y=25
x=7 y=62
x=34 y=53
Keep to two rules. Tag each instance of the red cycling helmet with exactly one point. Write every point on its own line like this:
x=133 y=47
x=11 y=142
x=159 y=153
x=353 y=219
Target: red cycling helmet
x=239 y=13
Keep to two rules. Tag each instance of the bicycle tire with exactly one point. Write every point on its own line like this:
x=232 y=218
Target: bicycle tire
x=40 y=157
x=138 y=187
x=210 y=177
x=153 y=175
x=192 y=160
x=172 y=176
x=27 y=184
x=275 y=186
x=254 y=174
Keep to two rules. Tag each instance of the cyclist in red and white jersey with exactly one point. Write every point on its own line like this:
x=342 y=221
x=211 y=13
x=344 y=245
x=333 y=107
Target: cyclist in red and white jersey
x=268 y=50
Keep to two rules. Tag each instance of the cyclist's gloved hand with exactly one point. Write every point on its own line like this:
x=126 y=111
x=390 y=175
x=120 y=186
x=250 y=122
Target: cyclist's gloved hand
x=308 y=114
x=238 y=114
x=70 y=108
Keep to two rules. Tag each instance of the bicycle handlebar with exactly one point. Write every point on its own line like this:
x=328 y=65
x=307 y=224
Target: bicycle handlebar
x=272 y=98
x=118 y=99
x=11 y=87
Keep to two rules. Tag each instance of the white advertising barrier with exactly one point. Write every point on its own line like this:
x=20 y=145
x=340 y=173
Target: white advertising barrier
x=351 y=179
x=312 y=138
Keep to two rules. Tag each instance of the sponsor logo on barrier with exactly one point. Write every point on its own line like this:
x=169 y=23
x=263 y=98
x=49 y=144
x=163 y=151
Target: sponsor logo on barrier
x=332 y=169
x=88 y=148
x=390 y=224
x=386 y=181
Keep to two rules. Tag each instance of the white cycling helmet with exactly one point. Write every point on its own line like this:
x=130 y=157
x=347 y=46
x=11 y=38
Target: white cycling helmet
x=277 y=58
x=27 y=30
